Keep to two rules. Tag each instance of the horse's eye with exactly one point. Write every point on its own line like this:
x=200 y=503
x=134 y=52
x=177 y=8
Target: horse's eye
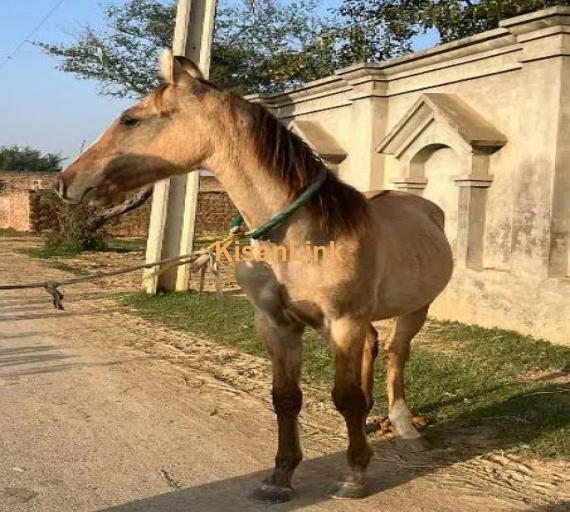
x=130 y=121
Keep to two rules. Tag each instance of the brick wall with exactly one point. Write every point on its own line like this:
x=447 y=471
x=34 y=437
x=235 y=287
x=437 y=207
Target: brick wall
x=15 y=210
x=16 y=189
x=25 y=180
x=23 y=206
x=132 y=224
x=214 y=212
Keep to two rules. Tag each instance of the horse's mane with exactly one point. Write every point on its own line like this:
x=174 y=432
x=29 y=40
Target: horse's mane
x=340 y=209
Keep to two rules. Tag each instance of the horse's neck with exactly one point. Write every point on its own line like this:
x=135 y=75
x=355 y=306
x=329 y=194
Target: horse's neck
x=256 y=194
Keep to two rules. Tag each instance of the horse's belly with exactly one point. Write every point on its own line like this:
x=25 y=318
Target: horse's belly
x=415 y=274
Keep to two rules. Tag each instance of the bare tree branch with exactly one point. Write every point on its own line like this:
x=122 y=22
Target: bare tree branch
x=112 y=213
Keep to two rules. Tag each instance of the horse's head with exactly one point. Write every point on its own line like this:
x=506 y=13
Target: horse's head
x=168 y=132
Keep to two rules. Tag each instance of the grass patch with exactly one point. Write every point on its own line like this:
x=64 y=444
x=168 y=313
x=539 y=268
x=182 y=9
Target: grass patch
x=60 y=265
x=116 y=245
x=122 y=245
x=12 y=233
x=48 y=252
x=479 y=384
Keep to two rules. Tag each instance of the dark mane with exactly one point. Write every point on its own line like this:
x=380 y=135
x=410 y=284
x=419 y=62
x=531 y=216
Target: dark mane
x=340 y=209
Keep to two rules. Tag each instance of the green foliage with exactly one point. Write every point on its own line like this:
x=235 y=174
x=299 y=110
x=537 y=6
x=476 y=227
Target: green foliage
x=487 y=380
x=69 y=227
x=75 y=238
x=376 y=30
x=273 y=46
x=16 y=158
x=388 y=26
x=456 y=19
x=123 y=57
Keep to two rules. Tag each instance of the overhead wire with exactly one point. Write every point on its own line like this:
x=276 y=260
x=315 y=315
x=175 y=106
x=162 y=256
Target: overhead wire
x=40 y=24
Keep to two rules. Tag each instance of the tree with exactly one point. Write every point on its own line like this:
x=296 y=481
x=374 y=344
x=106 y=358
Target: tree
x=258 y=47
x=388 y=26
x=271 y=45
x=461 y=18
x=16 y=158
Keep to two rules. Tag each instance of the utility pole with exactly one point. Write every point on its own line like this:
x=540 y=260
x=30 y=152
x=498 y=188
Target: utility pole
x=173 y=212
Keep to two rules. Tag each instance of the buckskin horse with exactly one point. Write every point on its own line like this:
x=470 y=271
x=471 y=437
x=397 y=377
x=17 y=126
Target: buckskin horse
x=393 y=256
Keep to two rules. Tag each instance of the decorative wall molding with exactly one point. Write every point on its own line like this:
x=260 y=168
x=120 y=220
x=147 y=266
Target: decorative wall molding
x=438 y=121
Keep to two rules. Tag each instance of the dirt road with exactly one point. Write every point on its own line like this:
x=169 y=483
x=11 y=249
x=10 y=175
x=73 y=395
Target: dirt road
x=100 y=411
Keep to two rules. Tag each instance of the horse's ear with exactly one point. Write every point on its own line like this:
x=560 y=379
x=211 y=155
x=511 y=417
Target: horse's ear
x=178 y=69
x=187 y=66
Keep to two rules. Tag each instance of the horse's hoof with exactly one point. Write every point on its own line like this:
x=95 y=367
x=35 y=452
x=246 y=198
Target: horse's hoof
x=268 y=493
x=346 y=491
x=416 y=444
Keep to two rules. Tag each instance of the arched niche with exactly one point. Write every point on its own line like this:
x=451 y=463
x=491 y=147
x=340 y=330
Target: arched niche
x=436 y=122
x=440 y=165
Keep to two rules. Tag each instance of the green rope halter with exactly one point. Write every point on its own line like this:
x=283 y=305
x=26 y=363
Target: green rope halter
x=284 y=214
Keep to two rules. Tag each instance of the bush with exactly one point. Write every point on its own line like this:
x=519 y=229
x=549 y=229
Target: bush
x=66 y=227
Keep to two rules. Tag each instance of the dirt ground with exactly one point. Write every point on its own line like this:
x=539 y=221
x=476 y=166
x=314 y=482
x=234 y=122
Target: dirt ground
x=102 y=411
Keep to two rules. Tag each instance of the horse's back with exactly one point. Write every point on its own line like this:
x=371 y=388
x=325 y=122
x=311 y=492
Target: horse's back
x=414 y=255
x=396 y=201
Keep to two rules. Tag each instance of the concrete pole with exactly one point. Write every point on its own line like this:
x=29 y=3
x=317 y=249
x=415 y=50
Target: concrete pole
x=173 y=212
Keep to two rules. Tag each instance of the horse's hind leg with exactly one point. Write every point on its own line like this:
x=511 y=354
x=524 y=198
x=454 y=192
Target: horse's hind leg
x=348 y=337
x=396 y=353
x=283 y=342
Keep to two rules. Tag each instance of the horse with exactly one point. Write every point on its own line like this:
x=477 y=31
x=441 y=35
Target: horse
x=393 y=258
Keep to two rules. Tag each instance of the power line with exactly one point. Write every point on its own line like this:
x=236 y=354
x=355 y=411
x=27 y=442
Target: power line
x=32 y=32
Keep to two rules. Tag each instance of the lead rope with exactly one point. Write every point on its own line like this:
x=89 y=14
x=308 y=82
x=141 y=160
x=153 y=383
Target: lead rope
x=200 y=260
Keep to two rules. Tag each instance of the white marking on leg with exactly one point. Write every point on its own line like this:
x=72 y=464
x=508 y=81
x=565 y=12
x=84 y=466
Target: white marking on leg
x=401 y=419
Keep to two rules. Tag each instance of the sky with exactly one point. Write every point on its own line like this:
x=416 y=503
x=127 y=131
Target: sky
x=39 y=105
x=45 y=108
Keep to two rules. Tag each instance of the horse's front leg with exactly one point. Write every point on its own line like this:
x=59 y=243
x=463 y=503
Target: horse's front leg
x=283 y=342
x=351 y=386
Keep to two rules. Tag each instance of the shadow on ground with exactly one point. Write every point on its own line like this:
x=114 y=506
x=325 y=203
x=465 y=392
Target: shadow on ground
x=559 y=507
x=42 y=359
x=313 y=475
